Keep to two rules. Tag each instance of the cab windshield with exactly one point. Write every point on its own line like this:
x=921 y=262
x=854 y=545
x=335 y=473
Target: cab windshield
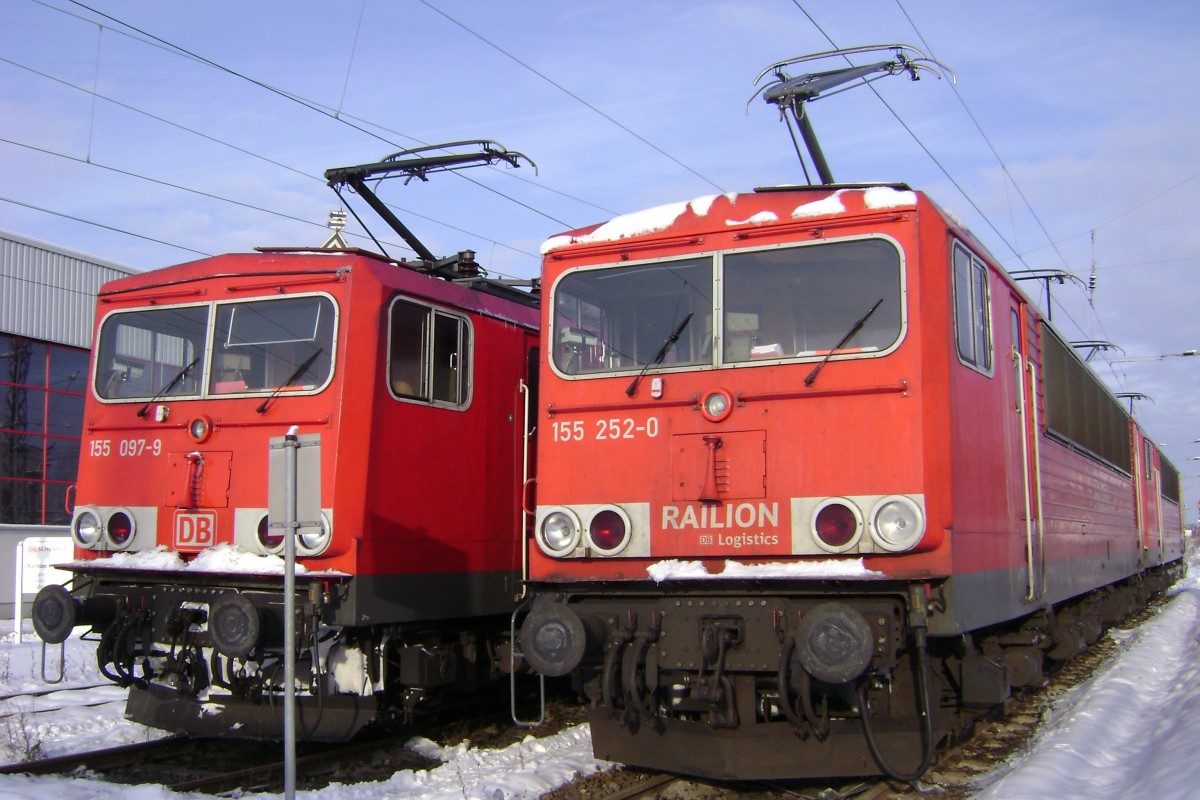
x=731 y=309
x=242 y=348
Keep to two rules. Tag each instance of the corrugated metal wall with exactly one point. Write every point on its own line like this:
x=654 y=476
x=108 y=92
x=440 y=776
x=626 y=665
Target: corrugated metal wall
x=49 y=293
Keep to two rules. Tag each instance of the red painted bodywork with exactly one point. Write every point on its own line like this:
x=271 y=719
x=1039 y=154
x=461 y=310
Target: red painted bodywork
x=916 y=421
x=413 y=489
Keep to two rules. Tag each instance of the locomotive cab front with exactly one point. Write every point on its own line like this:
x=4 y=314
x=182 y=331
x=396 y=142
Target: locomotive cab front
x=737 y=438
x=807 y=500
x=199 y=374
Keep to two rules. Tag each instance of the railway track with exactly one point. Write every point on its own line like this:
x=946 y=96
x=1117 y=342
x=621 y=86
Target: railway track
x=100 y=761
x=53 y=690
x=206 y=765
x=659 y=785
x=49 y=700
x=215 y=766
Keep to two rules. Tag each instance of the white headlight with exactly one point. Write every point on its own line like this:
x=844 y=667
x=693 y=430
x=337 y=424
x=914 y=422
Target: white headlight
x=86 y=528
x=314 y=542
x=559 y=533
x=897 y=523
x=716 y=405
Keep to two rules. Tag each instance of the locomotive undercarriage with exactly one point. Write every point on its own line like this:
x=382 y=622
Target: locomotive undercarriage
x=206 y=657
x=744 y=684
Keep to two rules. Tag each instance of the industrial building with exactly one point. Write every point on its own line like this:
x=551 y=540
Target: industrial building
x=47 y=308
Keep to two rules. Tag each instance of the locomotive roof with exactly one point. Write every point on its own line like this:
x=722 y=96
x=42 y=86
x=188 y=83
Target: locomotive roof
x=765 y=206
x=485 y=296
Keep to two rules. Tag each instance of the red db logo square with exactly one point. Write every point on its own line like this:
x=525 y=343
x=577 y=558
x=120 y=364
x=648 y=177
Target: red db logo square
x=195 y=530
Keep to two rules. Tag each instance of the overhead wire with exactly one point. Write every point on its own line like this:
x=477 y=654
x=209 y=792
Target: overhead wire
x=216 y=140
x=945 y=171
x=1119 y=375
x=91 y=162
x=937 y=162
x=362 y=12
x=342 y=117
x=101 y=225
x=168 y=184
x=987 y=141
x=351 y=120
x=157 y=118
x=295 y=98
x=1010 y=180
x=337 y=115
x=572 y=95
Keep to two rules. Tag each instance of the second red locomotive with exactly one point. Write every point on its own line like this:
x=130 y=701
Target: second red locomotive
x=817 y=482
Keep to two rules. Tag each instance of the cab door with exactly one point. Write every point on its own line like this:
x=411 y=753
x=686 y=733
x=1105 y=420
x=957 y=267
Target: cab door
x=1146 y=497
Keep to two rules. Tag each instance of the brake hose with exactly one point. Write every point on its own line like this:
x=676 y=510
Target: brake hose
x=785 y=698
x=925 y=711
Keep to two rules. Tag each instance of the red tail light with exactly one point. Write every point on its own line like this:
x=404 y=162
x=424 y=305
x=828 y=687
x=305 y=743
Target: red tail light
x=608 y=531
x=836 y=525
x=120 y=528
x=269 y=538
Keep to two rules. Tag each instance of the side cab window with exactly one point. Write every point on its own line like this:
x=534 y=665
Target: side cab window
x=972 y=310
x=429 y=355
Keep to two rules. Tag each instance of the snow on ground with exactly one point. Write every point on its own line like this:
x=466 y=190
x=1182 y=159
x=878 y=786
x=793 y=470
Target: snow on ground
x=88 y=720
x=527 y=769
x=1131 y=731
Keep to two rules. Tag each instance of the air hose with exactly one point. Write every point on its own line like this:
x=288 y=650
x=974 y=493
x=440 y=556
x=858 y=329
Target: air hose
x=925 y=711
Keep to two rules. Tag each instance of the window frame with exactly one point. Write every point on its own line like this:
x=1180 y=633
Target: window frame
x=99 y=354
x=849 y=354
x=982 y=334
x=210 y=391
x=465 y=375
x=41 y=492
x=208 y=353
x=716 y=359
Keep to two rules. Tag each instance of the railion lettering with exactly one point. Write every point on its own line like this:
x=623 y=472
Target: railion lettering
x=716 y=517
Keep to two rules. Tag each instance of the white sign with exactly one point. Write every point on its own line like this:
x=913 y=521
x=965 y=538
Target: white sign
x=34 y=557
x=37 y=556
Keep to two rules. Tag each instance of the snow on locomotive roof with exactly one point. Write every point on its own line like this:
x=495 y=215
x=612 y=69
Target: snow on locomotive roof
x=660 y=218
x=674 y=569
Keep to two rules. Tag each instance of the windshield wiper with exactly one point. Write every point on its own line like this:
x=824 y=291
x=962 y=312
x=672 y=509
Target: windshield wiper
x=812 y=376
x=178 y=377
x=662 y=353
x=300 y=370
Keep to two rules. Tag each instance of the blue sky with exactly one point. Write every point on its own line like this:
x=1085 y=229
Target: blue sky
x=1089 y=112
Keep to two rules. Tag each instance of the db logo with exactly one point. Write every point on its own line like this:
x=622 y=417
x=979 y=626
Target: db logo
x=196 y=530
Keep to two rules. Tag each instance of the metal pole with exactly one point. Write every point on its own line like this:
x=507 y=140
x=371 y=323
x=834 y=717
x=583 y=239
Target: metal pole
x=290 y=449
x=814 y=146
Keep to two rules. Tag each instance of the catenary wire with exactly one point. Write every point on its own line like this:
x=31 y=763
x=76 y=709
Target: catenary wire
x=572 y=95
x=101 y=225
x=367 y=126
x=229 y=145
x=320 y=109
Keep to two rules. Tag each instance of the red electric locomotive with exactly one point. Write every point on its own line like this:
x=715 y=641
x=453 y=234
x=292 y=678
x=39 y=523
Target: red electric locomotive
x=817 y=483
x=405 y=384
